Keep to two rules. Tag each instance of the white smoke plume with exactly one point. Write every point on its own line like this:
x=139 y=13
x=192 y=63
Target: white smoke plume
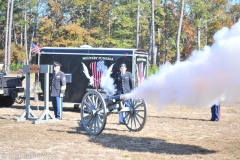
x=107 y=82
x=207 y=76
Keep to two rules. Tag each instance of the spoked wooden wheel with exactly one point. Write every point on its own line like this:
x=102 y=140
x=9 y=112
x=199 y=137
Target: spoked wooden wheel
x=136 y=118
x=93 y=112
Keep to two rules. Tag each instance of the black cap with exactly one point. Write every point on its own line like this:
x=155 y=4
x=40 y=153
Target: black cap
x=56 y=64
x=123 y=65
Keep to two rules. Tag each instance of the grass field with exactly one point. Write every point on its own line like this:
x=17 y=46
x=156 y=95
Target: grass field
x=173 y=133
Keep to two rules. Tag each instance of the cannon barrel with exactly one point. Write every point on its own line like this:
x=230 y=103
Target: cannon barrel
x=117 y=97
x=112 y=99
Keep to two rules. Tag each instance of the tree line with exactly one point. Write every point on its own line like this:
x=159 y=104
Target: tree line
x=169 y=29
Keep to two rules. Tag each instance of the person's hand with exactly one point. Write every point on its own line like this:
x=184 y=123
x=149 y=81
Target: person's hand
x=122 y=97
x=61 y=95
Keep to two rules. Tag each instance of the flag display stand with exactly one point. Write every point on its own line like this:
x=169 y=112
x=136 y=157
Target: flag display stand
x=28 y=114
x=46 y=116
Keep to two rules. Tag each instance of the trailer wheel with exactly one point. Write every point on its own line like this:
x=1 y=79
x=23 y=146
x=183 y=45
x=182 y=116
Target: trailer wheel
x=136 y=118
x=93 y=112
x=19 y=100
x=1 y=101
x=76 y=107
x=6 y=101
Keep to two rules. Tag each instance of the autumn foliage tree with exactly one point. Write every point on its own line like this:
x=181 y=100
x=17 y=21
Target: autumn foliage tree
x=112 y=23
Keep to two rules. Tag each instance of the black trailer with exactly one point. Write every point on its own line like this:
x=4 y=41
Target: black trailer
x=74 y=60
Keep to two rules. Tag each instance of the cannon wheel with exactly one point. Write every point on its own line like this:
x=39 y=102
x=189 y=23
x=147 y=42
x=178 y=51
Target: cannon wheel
x=136 y=118
x=93 y=112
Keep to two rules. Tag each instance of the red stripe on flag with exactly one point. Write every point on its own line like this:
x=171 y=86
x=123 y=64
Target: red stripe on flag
x=96 y=75
x=140 y=72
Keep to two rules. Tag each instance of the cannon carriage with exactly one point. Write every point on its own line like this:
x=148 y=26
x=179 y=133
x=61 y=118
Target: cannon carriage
x=95 y=109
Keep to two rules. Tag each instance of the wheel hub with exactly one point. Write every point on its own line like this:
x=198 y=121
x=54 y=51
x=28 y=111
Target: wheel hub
x=94 y=112
x=131 y=111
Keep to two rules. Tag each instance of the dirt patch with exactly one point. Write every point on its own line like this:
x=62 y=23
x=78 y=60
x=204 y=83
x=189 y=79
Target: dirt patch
x=173 y=133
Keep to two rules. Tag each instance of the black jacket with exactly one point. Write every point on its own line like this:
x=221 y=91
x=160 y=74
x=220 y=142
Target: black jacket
x=124 y=83
x=58 y=84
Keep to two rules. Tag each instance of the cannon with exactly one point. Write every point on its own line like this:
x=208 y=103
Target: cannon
x=95 y=109
x=10 y=86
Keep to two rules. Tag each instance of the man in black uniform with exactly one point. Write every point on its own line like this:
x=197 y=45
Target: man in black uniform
x=58 y=88
x=124 y=84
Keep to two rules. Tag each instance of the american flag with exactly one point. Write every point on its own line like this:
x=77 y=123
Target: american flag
x=141 y=73
x=35 y=48
x=97 y=72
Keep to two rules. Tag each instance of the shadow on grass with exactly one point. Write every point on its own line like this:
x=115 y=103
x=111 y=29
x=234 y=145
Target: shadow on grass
x=144 y=144
x=140 y=144
x=22 y=107
x=7 y=119
x=194 y=119
x=78 y=131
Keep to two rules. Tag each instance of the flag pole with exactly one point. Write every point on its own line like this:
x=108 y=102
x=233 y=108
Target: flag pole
x=6 y=38
x=33 y=32
x=37 y=81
